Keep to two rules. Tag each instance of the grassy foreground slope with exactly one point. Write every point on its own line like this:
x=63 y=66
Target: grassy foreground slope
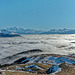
x=46 y=64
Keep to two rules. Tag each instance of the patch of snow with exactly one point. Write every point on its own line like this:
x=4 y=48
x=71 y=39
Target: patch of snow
x=19 y=68
x=34 y=66
x=34 y=59
x=27 y=59
x=52 y=69
x=51 y=58
x=63 y=60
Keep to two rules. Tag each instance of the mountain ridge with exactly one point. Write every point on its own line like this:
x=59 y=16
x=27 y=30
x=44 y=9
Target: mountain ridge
x=33 y=31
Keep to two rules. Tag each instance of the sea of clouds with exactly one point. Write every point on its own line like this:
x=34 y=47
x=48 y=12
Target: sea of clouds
x=49 y=44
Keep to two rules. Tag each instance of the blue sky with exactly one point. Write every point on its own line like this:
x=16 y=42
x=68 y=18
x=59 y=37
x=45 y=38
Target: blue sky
x=37 y=14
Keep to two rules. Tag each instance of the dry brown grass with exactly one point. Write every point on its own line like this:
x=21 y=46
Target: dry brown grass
x=43 y=66
x=65 y=71
x=69 y=71
x=23 y=65
x=20 y=73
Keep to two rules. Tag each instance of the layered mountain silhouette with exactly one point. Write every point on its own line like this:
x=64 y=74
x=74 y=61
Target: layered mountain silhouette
x=14 y=31
x=6 y=33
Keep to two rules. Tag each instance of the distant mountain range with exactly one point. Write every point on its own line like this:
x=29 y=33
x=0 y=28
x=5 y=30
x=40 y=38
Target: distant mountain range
x=60 y=31
x=6 y=33
x=14 y=31
x=24 y=31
